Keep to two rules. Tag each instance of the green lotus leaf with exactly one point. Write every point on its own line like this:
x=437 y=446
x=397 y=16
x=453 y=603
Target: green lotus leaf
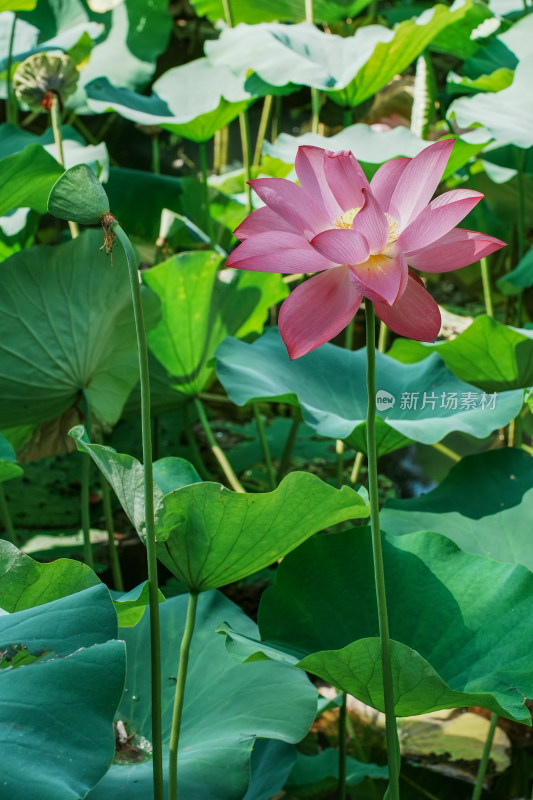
x=457 y=642
x=492 y=356
x=130 y=37
x=201 y=306
x=193 y=100
x=79 y=196
x=418 y=401
x=130 y=606
x=484 y=505
x=65 y=695
x=209 y=536
x=320 y=773
x=25 y=583
x=226 y=706
x=26 y=179
x=348 y=70
x=67 y=328
x=521 y=277
x=372 y=147
x=504 y=114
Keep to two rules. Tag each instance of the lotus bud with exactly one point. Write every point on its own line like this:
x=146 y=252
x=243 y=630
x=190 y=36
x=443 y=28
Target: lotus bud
x=42 y=76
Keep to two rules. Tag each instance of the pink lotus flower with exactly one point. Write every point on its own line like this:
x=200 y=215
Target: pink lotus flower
x=361 y=237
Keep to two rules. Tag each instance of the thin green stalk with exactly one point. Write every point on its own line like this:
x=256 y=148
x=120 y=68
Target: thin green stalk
x=85 y=490
x=348 y=334
x=447 y=451
x=5 y=516
x=316 y=101
x=287 y=450
x=347 y=117
x=202 y=152
x=264 y=446
x=520 y=157
x=357 y=464
x=339 y=450
x=220 y=148
x=261 y=132
x=179 y=697
x=485 y=282
x=276 y=119
x=114 y=561
x=55 y=118
x=217 y=451
x=391 y=731
x=195 y=450
x=85 y=512
x=12 y=110
x=155 y=632
x=227 y=13
x=342 y=748
x=482 y=769
x=156 y=155
x=245 y=144
x=383 y=337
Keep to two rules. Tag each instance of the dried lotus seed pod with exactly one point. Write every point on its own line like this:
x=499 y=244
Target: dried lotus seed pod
x=41 y=76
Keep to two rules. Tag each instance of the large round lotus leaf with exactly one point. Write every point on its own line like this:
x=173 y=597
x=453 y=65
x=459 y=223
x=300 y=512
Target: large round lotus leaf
x=485 y=505
x=373 y=147
x=461 y=622
x=505 y=114
x=227 y=705
x=25 y=583
x=131 y=35
x=349 y=70
x=422 y=401
x=62 y=679
x=8 y=461
x=26 y=179
x=193 y=100
x=66 y=328
x=79 y=196
x=492 y=356
x=201 y=306
x=209 y=536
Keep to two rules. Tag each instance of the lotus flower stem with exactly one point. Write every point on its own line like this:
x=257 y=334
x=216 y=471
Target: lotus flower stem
x=357 y=464
x=85 y=515
x=264 y=446
x=348 y=337
x=447 y=451
x=485 y=281
x=196 y=456
x=342 y=748
x=339 y=450
x=202 y=152
x=55 y=118
x=217 y=451
x=11 y=103
x=287 y=450
x=482 y=769
x=85 y=491
x=245 y=144
x=5 y=516
x=391 y=731
x=383 y=337
x=155 y=635
x=179 y=697
x=261 y=133
x=114 y=560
